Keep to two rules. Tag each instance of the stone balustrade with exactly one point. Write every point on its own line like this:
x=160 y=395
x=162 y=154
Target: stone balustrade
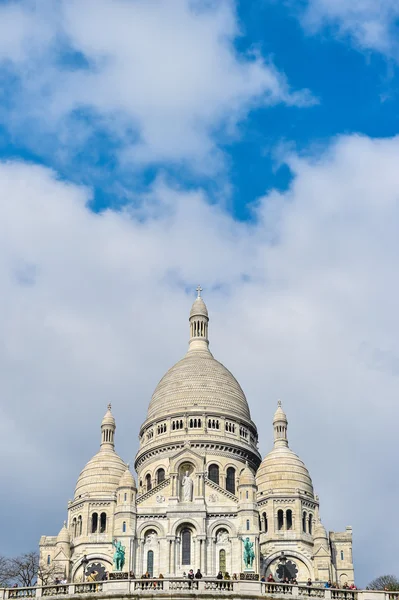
x=208 y=588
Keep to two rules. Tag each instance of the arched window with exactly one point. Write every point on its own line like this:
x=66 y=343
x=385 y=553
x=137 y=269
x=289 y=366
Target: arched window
x=213 y=473
x=124 y=527
x=94 y=522
x=79 y=525
x=248 y=525
x=186 y=547
x=222 y=561
x=304 y=522
x=342 y=555
x=160 y=475
x=74 y=530
x=280 y=519
x=288 y=516
x=48 y=559
x=231 y=480
x=150 y=562
x=148 y=483
x=310 y=525
x=125 y=497
x=103 y=522
x=264 y=522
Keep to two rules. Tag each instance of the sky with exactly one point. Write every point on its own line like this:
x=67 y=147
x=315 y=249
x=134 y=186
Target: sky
x=149 y=146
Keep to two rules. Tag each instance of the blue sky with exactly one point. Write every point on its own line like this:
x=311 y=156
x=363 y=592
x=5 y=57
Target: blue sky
x=252 y=147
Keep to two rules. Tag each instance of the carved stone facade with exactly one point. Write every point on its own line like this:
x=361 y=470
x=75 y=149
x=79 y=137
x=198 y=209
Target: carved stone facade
x=202 y=489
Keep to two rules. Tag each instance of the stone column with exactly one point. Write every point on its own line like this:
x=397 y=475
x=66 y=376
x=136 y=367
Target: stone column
x=176 y=547
x=139 y=565
x=203 y=556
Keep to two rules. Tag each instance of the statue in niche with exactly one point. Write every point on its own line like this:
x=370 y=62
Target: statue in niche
x=150 y=537
x=222 y=536
x=187 y=487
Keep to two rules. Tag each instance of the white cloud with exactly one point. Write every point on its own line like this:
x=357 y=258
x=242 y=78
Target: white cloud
x=303 y=306
x=372 y=24
x=164 y=78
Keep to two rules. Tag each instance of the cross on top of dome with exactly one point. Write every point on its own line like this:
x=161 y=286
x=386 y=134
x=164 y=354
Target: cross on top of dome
x=199 y=290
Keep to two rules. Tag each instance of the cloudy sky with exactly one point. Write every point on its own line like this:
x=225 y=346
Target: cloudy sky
x=147 y=146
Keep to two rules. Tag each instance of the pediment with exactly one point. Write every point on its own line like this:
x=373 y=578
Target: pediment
x=187 y=454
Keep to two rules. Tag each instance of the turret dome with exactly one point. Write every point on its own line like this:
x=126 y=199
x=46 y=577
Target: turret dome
x=63 y=536
x=102 y=473
x=282 y=470
x=127 y=480
x=247 y=477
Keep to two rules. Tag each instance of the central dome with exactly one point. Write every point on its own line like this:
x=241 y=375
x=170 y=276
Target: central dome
x=199 y=381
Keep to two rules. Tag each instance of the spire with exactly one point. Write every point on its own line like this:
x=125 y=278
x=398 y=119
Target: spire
x=199 y=323
x=108 y=427
x=280 y=424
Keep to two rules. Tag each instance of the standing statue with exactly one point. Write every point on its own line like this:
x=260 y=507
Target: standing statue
x=249 y=554
x=119 y=556
x=187 y=485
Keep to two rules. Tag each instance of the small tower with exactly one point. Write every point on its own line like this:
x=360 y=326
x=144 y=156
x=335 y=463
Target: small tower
x=199 y=324
x=108 y=427
x=125 y=512
x=248 y=511
x=280 y=425
x=62 y=553
x=321 y=553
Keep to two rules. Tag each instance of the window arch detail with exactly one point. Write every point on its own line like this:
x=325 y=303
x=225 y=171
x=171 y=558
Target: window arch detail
x=186 y=547
x=103 y=522
x=213 y=473
x=160 y=476
x=94 y=522
x=231 y=480
x=288 y=516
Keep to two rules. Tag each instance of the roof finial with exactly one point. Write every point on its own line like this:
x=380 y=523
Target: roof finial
x=278 y=402
x=109 y=406
x=199 y=290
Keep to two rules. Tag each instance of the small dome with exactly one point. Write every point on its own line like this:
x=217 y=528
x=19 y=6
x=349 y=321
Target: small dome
x=108 y=417
x=63 y=535
x=247 y=477
x=101 y=474
x=279 y=415
x=199 y=308
x=127 y=480
x=320 y=532
x=283 y=471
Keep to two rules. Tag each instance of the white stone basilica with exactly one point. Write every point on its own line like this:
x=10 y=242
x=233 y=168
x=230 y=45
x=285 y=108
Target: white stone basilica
x=202 y=489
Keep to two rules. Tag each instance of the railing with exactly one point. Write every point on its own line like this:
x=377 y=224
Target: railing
x=55 y=590
x=184 y=584
x=337 y=594
x=220 y=584
x=24 y=592
x=208 y=587
x=150 y=585
x=91 y=587
x=277 y=588
x=311 y=591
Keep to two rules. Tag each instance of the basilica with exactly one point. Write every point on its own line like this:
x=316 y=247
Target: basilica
x=203 y=494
